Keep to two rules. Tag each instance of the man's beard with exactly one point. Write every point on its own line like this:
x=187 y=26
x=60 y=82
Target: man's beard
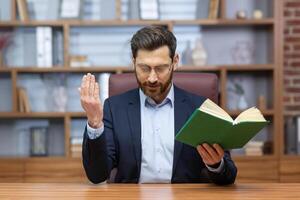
x=150 y=89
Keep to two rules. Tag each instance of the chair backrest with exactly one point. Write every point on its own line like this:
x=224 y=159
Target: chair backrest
x=204 y=84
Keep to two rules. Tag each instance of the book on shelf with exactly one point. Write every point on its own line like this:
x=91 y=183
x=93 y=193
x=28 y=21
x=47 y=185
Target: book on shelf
x=53 y=9
x=76 y=150
x=254 y=148
x=149 y=9
x=104 y=83
x=70 y=9
x=298 y=135
x=213 y=9
x=23 y=10
x=23 y=100
x=76 y=140
x=211 y=124
x=39 y=141
x=290 y=136
x=76 y=147
x=44 y=46
x=79 y=61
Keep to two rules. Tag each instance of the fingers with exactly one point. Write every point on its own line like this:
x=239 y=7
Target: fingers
x=219 y=150
x=96 y=91
x=83 y=90
x=210 y=155
x=91 y=85
x=88 y=86
x=204 y=155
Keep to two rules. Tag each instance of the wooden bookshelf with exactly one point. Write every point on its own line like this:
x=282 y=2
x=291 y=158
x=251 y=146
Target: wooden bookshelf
x=267 y=168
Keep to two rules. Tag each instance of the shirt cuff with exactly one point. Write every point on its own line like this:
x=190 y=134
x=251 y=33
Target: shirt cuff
x=216 y=170
x=94 y=133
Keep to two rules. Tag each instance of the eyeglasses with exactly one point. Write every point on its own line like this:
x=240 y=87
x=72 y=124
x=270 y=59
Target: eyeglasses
x=159 y=70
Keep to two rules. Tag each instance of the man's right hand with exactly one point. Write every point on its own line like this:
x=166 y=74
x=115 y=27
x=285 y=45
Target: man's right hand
x=90 y=101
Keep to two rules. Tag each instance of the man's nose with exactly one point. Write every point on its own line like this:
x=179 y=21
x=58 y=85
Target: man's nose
x=152 y=76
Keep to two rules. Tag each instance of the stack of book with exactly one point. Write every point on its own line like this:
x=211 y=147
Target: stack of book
x=254 y=148
x=76 y=147
x=79 y=61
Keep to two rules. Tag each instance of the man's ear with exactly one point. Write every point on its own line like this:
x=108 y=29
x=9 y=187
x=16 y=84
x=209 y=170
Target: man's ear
x=132 y=62
x=176 y=61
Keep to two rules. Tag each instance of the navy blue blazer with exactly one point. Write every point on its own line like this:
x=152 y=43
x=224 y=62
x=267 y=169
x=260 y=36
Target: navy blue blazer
x=120 y=144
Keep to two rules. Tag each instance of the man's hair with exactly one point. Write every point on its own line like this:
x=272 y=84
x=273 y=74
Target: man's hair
x=151 y=38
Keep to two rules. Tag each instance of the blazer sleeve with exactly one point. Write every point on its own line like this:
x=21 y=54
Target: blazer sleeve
x=99 y=155
x=227 y=175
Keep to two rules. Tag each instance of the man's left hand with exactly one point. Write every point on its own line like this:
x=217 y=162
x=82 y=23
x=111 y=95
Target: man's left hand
x=211 y=155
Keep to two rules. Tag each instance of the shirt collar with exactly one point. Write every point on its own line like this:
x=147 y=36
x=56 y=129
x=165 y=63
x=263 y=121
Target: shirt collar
x=148 y=101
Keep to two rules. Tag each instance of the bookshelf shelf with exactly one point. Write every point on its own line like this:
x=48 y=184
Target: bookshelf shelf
x=262 y=67
x=45 y=115
x=226 y=22
x=120 y=69
x=200 y=22
x=253 y=158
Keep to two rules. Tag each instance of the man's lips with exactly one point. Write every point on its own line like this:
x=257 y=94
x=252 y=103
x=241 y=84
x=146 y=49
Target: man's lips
x=152 y=86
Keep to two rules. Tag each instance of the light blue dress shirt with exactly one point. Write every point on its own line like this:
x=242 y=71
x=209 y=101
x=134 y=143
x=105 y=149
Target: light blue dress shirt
x=157 y=139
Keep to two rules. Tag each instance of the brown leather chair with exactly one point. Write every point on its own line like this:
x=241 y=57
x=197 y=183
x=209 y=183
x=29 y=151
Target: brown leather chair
x=203 y=84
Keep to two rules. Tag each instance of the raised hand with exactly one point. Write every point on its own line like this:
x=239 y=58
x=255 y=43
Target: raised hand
x=90 y=101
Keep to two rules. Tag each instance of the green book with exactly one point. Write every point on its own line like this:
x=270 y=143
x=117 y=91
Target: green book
x=211 y=124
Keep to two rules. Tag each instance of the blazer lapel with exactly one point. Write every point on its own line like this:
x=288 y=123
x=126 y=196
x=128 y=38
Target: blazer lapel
x=181 y=112
x=134 y=116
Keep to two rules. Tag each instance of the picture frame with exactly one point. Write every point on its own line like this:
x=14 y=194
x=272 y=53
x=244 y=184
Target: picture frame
x=149 y=9
x=70 y=9
x=38 y=141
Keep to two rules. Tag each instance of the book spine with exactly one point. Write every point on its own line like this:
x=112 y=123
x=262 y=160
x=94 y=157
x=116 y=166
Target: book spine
x=40 y=46
x=298 y=135
x=48 y=47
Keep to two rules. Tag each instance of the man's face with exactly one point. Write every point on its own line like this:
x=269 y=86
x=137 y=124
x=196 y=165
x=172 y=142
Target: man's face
x=154 y=71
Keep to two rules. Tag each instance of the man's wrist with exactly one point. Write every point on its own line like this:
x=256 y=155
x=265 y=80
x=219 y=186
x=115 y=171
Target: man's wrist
x=95 y=124
x=215 y=165
x=218 y=169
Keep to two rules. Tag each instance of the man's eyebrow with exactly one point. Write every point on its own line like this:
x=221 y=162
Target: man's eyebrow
x=145 y=65
x=163 y=65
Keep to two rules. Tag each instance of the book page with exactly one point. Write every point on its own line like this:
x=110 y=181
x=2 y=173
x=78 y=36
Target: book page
x=213 y=109
x=250 y=115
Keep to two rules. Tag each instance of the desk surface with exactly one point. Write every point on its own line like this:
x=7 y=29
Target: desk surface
x=243 y=191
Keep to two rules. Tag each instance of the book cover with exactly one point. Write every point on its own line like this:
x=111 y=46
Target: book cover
x=213 y=9
x=202 y=127
x=23 y=11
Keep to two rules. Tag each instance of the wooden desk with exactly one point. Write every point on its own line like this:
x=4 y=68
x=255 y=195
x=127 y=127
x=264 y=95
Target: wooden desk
x=31 y=191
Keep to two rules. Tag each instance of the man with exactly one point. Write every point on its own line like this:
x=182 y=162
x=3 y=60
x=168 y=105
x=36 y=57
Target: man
x=135 y=131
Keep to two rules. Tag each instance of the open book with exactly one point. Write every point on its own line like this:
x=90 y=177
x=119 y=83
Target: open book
x=211 y=124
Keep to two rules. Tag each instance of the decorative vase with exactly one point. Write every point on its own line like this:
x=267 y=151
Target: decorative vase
x=60 y=98
x=243 y=52
x=242 y=103
x=199 y=54
x=187 y=54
